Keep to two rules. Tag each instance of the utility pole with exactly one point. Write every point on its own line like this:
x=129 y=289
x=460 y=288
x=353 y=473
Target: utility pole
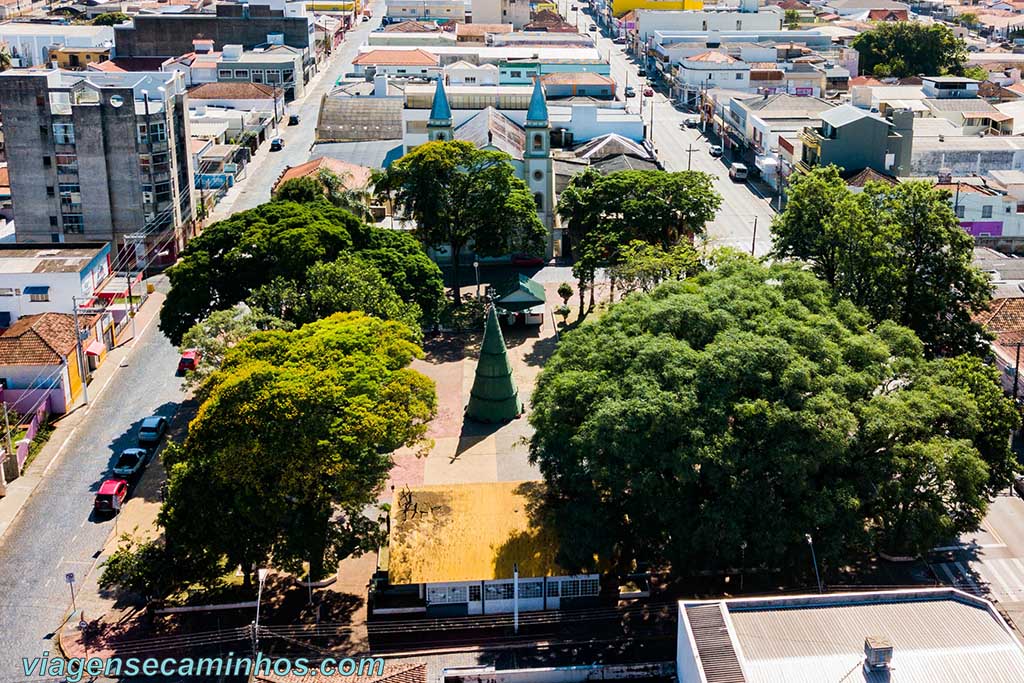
x=131 y=303
x=515 y=598
x=753 y=240
x=78 y=346
x=814 y=559
x=690 y=149
x=1016 y=370
x=7 y=426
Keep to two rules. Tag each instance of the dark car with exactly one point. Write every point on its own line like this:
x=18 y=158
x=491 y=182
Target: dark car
x=152 y=430
x=630 y=91
x=130 y=462
x=276 y=145
x=1018 y=484
x=110 y=497
x=293 y=120
x=592 y=28
x=619 y=40
x=526 y=260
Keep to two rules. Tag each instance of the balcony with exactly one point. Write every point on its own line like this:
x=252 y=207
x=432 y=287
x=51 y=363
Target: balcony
x=811 y=138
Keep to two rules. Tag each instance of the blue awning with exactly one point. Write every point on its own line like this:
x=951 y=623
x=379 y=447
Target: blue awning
x=36 y=290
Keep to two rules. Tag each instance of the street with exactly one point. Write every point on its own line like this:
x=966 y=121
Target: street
x=266 y=166
x=990 y=562
x=741 y=205
x=56 y=532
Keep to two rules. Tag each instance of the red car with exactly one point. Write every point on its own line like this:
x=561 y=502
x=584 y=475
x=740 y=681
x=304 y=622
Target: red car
x=526 y=260
x=648 y=92
x=189 y=360
x=111 y=496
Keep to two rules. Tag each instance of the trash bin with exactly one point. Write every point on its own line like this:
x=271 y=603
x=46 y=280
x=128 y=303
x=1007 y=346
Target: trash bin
x=150 y=288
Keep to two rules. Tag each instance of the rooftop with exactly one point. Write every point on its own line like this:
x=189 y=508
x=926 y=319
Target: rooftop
x=712 y=57
x=51 y=258
x=353 y=176
x=232 y=91
x=41 y=339
x=397 y=57
x=938 y=635
x=847 y=113
x=468 y=532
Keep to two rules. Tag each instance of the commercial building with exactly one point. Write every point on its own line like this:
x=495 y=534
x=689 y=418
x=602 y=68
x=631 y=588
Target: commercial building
x=426 y=10
x=854 y=139
x=100 y=157
x=515 y=12
x=749 y=17
x=931 y=635
x=44 y=279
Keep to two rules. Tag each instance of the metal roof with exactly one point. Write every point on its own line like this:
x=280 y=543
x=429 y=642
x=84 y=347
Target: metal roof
x=938 y=635
x=847 y=113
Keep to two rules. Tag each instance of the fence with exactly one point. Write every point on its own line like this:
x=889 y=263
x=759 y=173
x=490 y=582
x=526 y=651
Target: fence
x=12 y=467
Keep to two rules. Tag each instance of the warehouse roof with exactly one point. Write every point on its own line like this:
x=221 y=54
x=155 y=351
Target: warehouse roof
x=937 y=635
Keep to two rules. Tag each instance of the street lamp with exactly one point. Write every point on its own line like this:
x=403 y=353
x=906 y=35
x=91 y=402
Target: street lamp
x=261 y=573
x=743 y=562
x=476 y=269
x=814 y=559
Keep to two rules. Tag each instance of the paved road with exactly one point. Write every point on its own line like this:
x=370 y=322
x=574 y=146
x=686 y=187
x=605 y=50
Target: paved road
x=56 y=532
x=266 y=167
x=741 y=206
x=991 y=561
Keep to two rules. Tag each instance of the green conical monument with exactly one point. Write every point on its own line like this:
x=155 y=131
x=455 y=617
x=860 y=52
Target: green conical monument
x=494 y=397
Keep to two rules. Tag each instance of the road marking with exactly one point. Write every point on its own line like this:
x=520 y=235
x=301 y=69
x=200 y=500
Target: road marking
x=992 y=531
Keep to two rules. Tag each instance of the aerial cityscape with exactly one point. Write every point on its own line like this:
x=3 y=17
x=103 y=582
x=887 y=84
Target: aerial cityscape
x=512 y=341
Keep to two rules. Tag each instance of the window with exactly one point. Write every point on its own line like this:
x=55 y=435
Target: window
x=538 y=198
x=289 y=76
x=67 y=163
x=498 y=591
x=242 y=73
x=6 y=291
x=224 y=73
x=49 y=190
x=553 y=589
x=470 y=80
x=474 y=593
x=53 y=221
x=538 y=141
x=538 y=175
x=986 y=211
x=273 y=76
x=40 y=101
x=516 y=74
x=154 y=132
x=40 y=297
x=73 y=224
x=257 y=75
x=446 y=594
x=531 y=589
x=739 y=75
x=959 y=212
x=46 y=162
x=64 y=133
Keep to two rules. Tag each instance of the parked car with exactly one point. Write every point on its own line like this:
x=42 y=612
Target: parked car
x=366 y=18
x=738 y=171
x=293 y=120
x=690 y=122
x=593 y=28
x=641 y=72
x=715 y=150
x=152 y=430
x=630 y=91
x=110 y=497
x=1018 y=484
x=130 y=462
x=648 y=92
x=574 y=8
x=276 y=145
x=526 y=260
x=189 y=360
x=619 y=40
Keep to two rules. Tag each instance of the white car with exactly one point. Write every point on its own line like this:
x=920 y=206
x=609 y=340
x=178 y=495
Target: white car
x=715 y=150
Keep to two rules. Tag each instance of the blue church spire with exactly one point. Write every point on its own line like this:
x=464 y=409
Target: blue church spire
x=538 y=112
x=440 y=112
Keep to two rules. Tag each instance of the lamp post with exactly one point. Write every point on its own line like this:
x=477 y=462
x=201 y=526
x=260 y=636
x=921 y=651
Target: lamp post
x=814 y=559
x=476 y=269
x=261 y=573
x=743 y=562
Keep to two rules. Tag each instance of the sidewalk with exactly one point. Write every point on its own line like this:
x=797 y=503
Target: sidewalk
x=21 y=489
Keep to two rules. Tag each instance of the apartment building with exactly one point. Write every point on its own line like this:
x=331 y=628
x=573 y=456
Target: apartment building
x=100 y=157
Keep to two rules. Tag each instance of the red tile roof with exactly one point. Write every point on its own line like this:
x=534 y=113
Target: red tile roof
x=576 y=78
x=712 y=57
x=353 y=176
x=41 y=339
x=415 y=57
x=1005 y=319
x=232 y=91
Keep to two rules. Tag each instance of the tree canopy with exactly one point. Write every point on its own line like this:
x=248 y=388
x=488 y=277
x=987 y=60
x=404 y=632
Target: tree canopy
x=460 y=195
x=898 y=251
x=111 y=19
x=293 y=442
x=604 y=214
x=910 y=48
x=325 y=184
x=233 y=258
x=747 y=405
x=221 y=331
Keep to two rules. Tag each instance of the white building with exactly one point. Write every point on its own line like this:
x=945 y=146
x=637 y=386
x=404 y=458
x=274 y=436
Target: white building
x=515 y=12
x=29 y=44
x=708 y=19
x=398 y=63
x=426 y=10
x=464 y=73
x=44 y=279
x=711 y=69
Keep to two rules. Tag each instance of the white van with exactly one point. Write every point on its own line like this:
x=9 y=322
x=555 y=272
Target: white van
x=738 y=171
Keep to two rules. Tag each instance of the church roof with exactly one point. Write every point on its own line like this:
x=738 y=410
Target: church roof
x=538 y=111
x=608 y=145
x=439 y=110
x=491 y=128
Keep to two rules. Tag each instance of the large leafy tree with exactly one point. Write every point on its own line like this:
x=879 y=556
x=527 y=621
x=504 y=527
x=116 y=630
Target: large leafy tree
x=326 y=184
x=460 y=195
x=746 y=405
x=605 y=213
x=910 y=48
x=221 y=331
x=898 y=251
x=293 y=441
x=233 y=258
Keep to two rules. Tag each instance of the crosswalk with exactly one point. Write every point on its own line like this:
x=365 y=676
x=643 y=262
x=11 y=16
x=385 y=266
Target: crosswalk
x=1001 y=580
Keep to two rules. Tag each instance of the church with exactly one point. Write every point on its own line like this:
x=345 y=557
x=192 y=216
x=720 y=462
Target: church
x=528 y=144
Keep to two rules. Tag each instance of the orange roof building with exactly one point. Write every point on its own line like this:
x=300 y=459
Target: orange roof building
x=417 y=57
x=353 y=177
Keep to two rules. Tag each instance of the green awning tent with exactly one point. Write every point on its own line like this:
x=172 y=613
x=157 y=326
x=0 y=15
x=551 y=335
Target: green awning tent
x=494 y=397
x=525 y=296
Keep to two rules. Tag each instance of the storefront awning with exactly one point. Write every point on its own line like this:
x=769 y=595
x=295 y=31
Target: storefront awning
x=36 y=289
x=95 y=348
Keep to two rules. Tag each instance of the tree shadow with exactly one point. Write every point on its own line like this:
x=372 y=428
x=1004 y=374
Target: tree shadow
x=534 y=549
x=448 y=347
x=541 y=352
